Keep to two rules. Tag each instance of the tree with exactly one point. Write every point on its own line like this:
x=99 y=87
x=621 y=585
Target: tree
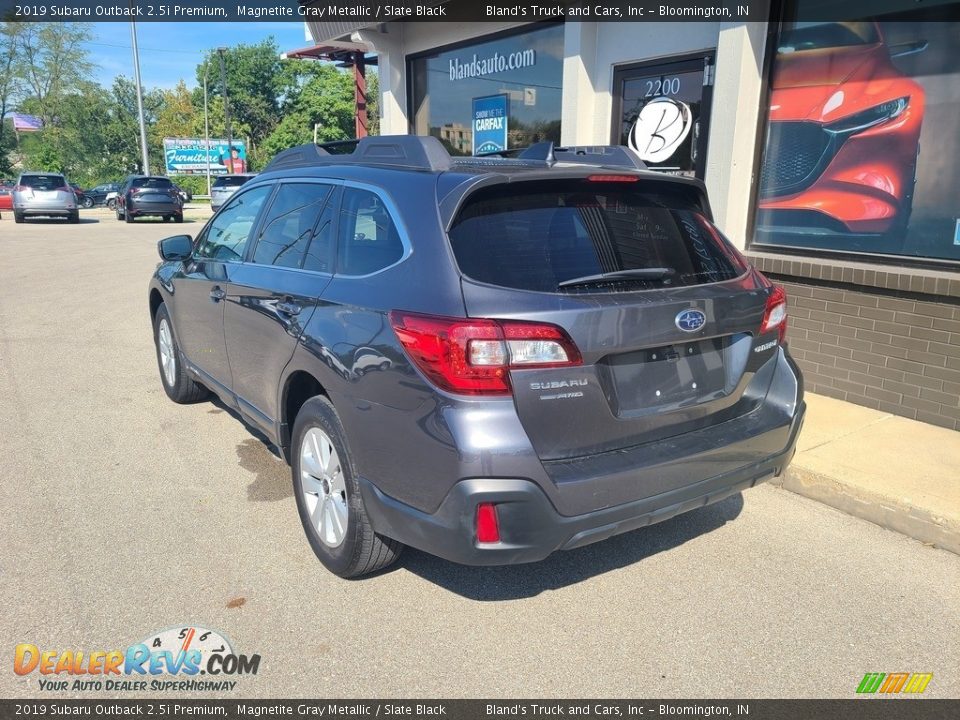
x=11 y=83
x=53 y=62
x=325 y=100
x=254 y=83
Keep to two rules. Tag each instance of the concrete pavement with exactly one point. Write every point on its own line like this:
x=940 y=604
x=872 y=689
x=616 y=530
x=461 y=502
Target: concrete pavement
x=901 y=474
x=124 y=514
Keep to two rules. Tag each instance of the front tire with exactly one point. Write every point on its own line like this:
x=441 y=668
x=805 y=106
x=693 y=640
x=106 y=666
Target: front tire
x=179 y=386
x=328 y=496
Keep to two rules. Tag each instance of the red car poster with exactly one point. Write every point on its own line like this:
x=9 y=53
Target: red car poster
x=862 y=148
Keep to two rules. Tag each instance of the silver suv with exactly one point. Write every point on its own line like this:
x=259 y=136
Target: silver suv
x=40 y=194
x=225 y=186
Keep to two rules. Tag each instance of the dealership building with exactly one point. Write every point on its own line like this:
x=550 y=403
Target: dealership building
x=830 y=150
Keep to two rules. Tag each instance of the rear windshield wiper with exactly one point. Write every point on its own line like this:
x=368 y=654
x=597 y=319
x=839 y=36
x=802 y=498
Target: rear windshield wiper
x=655 y=273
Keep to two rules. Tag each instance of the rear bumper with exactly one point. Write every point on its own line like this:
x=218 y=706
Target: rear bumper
x=154 y=209
x=530 y=526
x=46 y=211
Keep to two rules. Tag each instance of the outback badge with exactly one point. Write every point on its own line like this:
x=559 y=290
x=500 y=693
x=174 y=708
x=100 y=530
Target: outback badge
x=690 y=320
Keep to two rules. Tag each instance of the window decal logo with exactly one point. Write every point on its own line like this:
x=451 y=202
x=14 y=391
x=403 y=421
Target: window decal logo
x=662 y=125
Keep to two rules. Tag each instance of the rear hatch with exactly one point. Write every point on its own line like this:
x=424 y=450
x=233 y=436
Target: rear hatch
x=153 y=191
x=664 y=312
x=45 y=189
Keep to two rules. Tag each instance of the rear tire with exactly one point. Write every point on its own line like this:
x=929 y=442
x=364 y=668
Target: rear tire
x=179 y=386
x=18 y=217
x=112 y=204
x=328 y=496
x=178 y=218
x=128 y=217
x=88 y=202
x=74 y=218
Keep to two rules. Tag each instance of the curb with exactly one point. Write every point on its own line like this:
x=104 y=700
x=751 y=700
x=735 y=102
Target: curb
x=909 y=520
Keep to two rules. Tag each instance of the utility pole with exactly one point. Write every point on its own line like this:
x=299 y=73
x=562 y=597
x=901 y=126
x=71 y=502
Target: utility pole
x=226 y=104
x=206 y=121
x=143 y=124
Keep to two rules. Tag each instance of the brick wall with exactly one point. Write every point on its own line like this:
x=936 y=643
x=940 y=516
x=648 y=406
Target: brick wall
x=894 y=353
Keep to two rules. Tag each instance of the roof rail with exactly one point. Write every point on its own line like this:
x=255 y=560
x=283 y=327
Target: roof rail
x=406 y=151
x=607 y=155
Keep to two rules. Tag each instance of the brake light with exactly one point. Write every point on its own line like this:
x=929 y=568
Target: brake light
x=473 y=356
x=65 y=188
x=488 y=525
x=775 y=314
x=21 y=188
x=612 y=178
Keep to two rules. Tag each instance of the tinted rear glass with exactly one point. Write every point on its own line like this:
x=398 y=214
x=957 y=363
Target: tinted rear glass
x=43 y=182
x=160 y=183
x=230 y=181
x=559 y=231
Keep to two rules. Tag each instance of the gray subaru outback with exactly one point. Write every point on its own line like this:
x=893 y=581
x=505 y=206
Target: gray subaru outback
x=489 y=359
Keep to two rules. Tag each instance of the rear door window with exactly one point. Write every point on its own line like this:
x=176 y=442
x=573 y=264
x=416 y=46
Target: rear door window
x=581 y=236
x=289 y=225
x=43 y=182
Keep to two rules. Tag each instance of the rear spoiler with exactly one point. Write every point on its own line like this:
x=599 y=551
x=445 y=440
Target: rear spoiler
x=453 y=197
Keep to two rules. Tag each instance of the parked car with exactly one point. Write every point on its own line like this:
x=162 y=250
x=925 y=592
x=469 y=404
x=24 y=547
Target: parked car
x=41 y=194
x=539 y=352
x=843 y=137
x=148 y=195
x=185 y=195
x=98 y=195
x=225 y=186
x=6 y=197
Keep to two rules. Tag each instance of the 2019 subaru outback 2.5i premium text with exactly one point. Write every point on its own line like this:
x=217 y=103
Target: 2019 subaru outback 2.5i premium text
x=486 y=359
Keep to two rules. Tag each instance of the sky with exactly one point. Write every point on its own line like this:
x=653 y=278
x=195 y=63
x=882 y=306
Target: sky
x=170 y=52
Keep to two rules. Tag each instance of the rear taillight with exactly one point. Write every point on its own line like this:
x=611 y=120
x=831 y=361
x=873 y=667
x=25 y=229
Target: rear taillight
x=473 y=356
x=21 y=188
x=488 y=525
x=65 y=188
x=775 y=314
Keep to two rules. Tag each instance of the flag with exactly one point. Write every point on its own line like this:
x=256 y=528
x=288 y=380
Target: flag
x=26 y=123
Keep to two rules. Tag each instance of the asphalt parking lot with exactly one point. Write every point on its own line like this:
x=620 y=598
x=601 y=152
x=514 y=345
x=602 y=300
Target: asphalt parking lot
x=124 y=514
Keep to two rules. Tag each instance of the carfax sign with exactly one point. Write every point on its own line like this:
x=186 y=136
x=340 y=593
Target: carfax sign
x=186 y=156
x=490 y=124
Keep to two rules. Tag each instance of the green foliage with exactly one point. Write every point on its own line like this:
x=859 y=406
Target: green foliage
x=92 y=133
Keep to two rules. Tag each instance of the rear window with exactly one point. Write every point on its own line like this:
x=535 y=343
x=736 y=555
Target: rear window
x=230 y=181
x=43 y=182
x=161 y=183
x=579 y=236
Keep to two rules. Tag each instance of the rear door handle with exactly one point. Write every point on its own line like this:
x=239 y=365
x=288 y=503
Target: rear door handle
x=218 y=294
x=288 y=308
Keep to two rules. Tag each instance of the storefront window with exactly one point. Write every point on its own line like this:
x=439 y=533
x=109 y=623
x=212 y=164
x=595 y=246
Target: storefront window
x=478 y=97
x=862 y=150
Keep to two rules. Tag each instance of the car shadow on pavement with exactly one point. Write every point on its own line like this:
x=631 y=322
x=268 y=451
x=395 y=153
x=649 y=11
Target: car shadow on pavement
x=513 y=582
x=58 y=221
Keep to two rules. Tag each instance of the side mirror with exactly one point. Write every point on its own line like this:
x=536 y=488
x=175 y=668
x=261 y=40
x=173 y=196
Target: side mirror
x=908 y=48
x=177 y=247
